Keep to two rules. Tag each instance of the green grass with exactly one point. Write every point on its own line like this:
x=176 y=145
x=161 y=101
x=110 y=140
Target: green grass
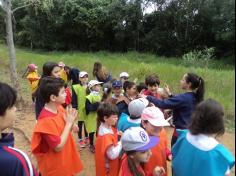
x=219 y=76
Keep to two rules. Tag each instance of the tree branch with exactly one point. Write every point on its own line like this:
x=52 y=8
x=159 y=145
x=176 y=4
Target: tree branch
x=3 y=5
x=21 y=7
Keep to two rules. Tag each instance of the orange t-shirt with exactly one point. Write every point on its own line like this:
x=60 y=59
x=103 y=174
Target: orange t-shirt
x=159 y=154
x=101 y=146
x=64 y=163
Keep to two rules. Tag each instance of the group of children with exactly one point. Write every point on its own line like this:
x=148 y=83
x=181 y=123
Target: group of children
x=128 y=121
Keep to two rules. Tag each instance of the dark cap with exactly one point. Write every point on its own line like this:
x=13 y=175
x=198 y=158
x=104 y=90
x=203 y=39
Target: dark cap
x=116 y=84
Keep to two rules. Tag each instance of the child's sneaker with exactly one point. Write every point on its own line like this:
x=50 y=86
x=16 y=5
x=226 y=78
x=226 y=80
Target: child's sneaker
x=81 y=143
x=86 y=141
x=92 y=148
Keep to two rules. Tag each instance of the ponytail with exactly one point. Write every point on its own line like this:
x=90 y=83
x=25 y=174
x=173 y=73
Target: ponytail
x=198 y=84
x=132 y=166
x=200 y=90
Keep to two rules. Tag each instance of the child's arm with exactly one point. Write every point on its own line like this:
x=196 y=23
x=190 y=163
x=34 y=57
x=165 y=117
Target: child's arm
x=90 y=107
x=113 y=152
x=70 y=117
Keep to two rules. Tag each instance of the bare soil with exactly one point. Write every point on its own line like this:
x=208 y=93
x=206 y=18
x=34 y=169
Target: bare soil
x=25 y=123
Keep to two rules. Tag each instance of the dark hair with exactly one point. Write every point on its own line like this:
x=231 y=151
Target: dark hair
x=196 y=83
x=7 y=97
x=107 y=89
x=128 y=85
x=152 y=80
x=106 y=109
x=141 y=86
x=50 y=86
x=96 y=67
x=48 y=67
x=208 y=118
x=132 y=166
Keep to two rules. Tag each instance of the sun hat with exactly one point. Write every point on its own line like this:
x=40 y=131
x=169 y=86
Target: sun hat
x=116 y=84
x=93 y=83
x=82 y=74
x=32 y=67
x=137 y=106
x=124 y=74
x=154 y=116
x=61 y=64
x=137 y=139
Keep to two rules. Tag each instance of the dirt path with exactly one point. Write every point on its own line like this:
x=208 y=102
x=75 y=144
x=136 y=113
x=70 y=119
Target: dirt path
x=25 y=123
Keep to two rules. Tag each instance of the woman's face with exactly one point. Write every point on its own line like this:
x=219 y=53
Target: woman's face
x=184 y=84
x=142 y=156
x=56 y=72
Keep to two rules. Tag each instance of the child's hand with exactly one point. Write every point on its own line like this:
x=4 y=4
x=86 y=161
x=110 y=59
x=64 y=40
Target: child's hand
x=169 y=158
x=158 y=171
x=71 y=115
x=75 y=128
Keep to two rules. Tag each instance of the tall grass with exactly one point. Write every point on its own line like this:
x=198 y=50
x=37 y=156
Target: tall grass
x=219 y=77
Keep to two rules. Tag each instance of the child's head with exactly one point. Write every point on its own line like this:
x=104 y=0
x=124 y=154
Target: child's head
x=7 y=106
x=124 y=76
x=117 y=87
x=136 y=107
x=83 y=77
x=152 y=81
x=32 y=67
x=94 y=85
x=51 y=69
x=52 y=90
x=153 y=120
x=107 y=113
x=130 y=88
x=137 y=144
x=208 y=118
x=191 y=81
x=141 y=86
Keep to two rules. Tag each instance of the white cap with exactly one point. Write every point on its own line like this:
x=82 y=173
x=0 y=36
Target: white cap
x=154 y=116
x=82 y=74
x=124 y=74
x=93 y=83
x=137 y=139
x=137 y=106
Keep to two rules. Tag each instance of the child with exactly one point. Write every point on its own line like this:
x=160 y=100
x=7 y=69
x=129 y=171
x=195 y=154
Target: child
x=198 y=148
x=63 y=74
x=135 y=108
x=153 y=122
x=141 y=87
x=152 y=82
x=13 y=161
x=91 y=106
x=130 y=93
x=117 y=92
x=52 y=142
x=124 y=76
x=137 y=144
x=78 y=102
x=182 y=104
x=33 y=78
x=107 y=147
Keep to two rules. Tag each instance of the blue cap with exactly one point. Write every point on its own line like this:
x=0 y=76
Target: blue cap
x=116 y=84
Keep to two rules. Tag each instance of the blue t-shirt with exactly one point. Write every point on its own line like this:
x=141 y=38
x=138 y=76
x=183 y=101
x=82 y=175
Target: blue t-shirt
x=190 y=160
x=124 y=123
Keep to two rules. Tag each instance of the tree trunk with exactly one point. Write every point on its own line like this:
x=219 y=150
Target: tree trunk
x=12 y=54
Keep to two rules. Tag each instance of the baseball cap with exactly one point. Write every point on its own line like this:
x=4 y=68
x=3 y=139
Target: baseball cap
x=82 y=74
x=116 y=84
x=137 y=139
x=93 y=83
x=61 y=64
x=32 y=67
x=154 y=116
x=124 y=74
x=137 y=106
